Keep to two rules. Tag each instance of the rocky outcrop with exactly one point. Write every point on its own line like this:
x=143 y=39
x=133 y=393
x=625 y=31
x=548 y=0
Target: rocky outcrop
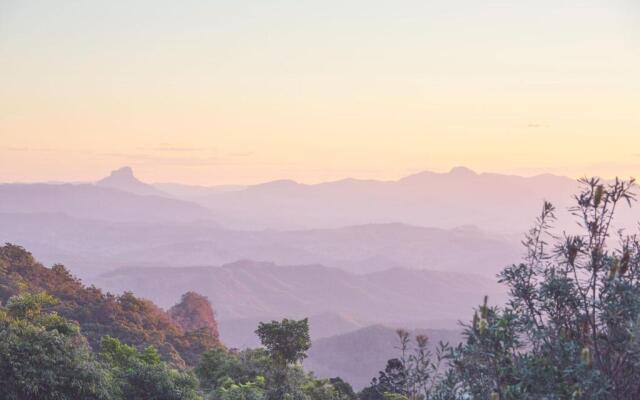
x=194 y=313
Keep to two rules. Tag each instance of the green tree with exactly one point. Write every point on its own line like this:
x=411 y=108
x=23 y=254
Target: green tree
x=218 y=368
x=43 y=356
x=133 y=320
x=230 y=390
x=343 y=388
x=143 y=376
x=286 y=343
x=328 y=389
x=571 y=328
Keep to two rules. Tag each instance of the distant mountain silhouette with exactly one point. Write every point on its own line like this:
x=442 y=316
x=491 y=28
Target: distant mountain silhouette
x=249 y=289
x=194 y=192
x=95 y=202
x=358 y=356
x=123 y=179
x=501 y=203
x=505 y=204
x=92 y=246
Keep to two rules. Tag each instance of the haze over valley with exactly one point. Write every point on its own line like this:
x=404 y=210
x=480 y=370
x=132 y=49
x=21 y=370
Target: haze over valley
x=319 y=200
x=418 y=253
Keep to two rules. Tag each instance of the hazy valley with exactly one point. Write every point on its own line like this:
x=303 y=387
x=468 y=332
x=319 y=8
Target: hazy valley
x=358 y=258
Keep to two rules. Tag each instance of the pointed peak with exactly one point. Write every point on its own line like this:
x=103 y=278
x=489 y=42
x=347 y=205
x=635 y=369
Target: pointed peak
x=462 y=171
x=124 y=172
x=124 y=179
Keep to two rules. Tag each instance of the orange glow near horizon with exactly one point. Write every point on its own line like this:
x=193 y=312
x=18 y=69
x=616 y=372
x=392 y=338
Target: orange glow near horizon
x=245 y=93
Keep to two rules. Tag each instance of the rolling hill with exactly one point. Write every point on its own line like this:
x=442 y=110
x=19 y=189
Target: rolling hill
x=358 y=356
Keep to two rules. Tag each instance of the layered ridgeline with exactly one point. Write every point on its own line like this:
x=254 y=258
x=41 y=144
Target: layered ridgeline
x=189 y=329
x=180 y=335
x=90 y=247
x=258 y=291
x=60 y=340
x=460 y=197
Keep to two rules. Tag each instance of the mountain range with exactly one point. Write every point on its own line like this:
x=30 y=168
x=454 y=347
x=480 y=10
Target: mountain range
x=89 y=201
x=498 y=203
x=358 y=257
x=91 y=247
x=248 y=290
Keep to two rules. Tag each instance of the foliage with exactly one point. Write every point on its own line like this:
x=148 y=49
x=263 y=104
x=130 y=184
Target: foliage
x=44 y=356
x=142 y=375
x=286 y=343
x=328 y=389
x=132 y=320
x=270 y=373
x=230 y=390
x=219 y=367
x=570 y=329
x=412 y=376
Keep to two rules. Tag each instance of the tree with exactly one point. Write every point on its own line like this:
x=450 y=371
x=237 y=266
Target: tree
x=221 y=369
x=328 y=389
x=230 y=390
x=43 y=356
x=412 y=376
x=133 y=320
x=286 y=341
x=571 y=327
x=143 y=376
x=343 y=388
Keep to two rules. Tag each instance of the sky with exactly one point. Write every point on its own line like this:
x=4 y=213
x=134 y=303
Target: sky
x=221 y=92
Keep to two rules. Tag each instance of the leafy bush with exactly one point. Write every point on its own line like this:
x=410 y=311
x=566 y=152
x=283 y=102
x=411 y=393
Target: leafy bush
x=571 y=328
x=44 y=356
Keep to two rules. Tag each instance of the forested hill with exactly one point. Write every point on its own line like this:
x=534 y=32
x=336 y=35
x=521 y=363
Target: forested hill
x=135 y=321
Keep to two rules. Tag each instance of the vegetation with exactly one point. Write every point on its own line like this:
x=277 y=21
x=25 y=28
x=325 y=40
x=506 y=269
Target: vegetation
x=142 y=375
x=110 y=351
x=128 y=318
x=414 y=375
x=272 y=373
x=571 y=330
x=44 y=356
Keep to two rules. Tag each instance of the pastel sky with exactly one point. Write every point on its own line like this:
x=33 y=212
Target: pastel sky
x=236 y=91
